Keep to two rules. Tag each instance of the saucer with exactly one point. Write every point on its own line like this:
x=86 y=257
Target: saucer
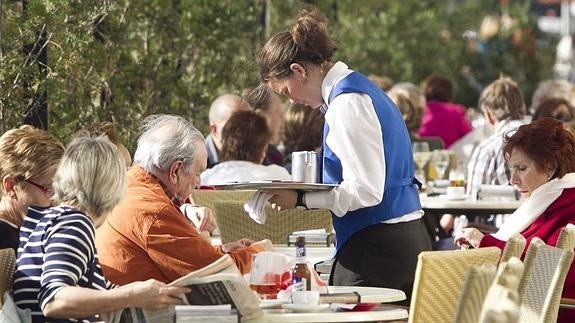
x=302 y=308
x=271 y=303
x=454 y=198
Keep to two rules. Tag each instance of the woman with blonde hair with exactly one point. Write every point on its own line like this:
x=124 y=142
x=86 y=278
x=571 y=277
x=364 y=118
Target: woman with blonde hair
x=58 y=276
x=29 y=158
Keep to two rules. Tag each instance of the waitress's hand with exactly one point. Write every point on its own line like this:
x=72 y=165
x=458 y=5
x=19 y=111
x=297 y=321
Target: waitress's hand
x=470 y=237
x=283 y=199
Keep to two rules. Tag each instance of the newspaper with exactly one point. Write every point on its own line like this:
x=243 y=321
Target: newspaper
x=216 y=284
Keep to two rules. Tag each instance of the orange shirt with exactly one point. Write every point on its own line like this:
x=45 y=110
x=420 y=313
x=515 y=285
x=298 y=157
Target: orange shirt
x=146 y=236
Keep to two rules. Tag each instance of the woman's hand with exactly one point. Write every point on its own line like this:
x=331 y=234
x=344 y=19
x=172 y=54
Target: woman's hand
x=283 y=199
x=469 y=237
x=152 y=294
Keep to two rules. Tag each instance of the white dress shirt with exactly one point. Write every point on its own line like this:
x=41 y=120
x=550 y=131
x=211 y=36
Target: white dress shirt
x=355 y=137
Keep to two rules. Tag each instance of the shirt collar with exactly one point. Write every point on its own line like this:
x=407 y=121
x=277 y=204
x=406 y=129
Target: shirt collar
x=338 y=71
x=153 y=178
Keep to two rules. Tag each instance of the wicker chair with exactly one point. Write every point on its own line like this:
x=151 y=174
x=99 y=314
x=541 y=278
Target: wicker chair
x=566 y=240
x=207 y=198
x=540 y=288
x=502 y=302
x=234 y=223
x=7 y=266
x=513 y=248
x=439 y=277
x=477 y=283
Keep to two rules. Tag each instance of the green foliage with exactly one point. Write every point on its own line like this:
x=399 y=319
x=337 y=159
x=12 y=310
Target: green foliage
x=123 y=60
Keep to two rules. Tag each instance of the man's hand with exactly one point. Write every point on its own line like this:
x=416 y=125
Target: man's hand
x=232 y=246
x=201 y=217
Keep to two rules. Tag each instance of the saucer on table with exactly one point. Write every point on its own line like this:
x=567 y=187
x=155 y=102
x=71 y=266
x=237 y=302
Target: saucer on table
x=303 y=308
x=454 y=197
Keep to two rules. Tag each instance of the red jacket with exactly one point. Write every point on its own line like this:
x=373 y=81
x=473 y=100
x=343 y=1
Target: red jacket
x=547 y=228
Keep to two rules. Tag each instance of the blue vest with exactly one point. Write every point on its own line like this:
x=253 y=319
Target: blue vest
x=400 y=195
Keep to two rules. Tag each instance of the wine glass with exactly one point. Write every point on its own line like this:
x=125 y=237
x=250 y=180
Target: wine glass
x=421 y=156
x=440 y=160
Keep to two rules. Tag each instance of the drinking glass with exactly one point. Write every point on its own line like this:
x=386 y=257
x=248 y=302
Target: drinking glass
x=440 y=160
x=420 y=147
x=267 y=276
x=421 y=156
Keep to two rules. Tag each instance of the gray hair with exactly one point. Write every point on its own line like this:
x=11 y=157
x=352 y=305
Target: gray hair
x=91 y=176
x=549 y=89
x=165 y=139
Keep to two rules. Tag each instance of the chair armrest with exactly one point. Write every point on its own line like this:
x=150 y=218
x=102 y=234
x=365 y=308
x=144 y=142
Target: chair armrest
x=567 y=303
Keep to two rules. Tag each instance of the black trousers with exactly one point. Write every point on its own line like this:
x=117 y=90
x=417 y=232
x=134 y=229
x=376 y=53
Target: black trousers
x=382 y=255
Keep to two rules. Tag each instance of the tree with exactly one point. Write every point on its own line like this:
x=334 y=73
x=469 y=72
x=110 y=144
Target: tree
x=123 y=60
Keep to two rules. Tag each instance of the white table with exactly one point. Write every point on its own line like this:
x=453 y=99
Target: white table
x=440 y=205
x=382 y=313
x=435 y=206
x=368 y=295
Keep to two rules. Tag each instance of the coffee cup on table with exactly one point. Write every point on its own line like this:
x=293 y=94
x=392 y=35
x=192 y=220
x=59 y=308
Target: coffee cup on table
x=455 y=191
x=305 y=297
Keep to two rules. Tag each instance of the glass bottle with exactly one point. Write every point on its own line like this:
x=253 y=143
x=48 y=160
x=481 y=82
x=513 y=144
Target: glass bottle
x=300 y=274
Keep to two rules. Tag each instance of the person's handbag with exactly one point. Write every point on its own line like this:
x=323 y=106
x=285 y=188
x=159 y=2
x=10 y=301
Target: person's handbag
x=11 y=313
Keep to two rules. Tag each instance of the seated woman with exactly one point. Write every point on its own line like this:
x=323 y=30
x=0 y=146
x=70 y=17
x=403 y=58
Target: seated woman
x=556 y=108
x=29 y=158
x=541 y=156
x=412 y=104
x=245 y=138
x=58 y=276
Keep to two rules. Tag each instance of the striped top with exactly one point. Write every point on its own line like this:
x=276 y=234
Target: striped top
x=56 y=250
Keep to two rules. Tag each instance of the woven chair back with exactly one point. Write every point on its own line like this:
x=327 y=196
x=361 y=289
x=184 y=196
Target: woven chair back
x=439 y=278
x=540 y=288
x=234 y=223
x=566 y=238
x=513 y=248
x=7 y=267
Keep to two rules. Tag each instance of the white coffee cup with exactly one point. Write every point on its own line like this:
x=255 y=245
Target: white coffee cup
x=455 y=191
x=305 y=297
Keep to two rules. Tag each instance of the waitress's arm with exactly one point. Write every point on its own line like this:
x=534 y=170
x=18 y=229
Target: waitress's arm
x=355 y=137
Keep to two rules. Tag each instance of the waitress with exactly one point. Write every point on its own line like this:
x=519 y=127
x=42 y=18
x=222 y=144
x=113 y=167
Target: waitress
x=366 y=150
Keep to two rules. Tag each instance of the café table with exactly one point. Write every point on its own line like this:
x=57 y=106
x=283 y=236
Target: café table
x=440 y=205
x=435 y=206
x=368 y=295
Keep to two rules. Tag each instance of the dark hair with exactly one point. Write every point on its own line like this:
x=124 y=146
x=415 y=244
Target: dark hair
x=547 y=107
x=503 y=99
x=259 y=98
x=437 y=88
x=245 y=137
x=303 y=129
x=306 y=43
x=547 y=142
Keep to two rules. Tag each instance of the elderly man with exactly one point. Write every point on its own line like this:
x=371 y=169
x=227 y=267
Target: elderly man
x=146 y=235
x=220 y=111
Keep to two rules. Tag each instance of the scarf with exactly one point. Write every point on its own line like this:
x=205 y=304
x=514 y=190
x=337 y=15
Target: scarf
x=534 y=206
